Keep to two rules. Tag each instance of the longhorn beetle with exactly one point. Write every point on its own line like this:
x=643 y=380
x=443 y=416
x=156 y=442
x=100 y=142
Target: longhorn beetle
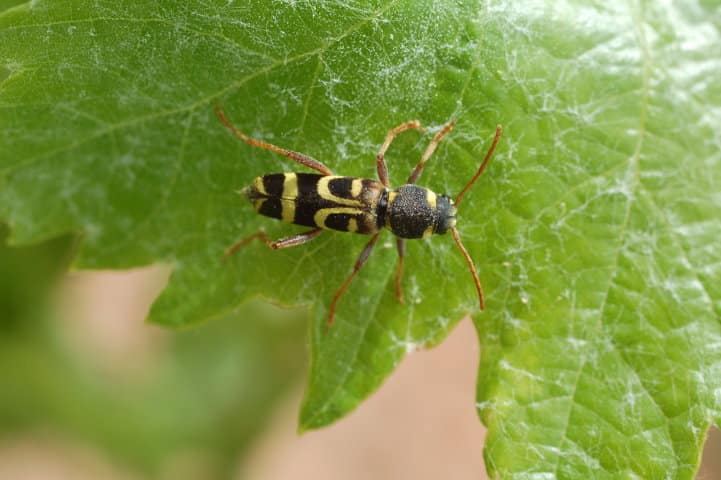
x=359 y=205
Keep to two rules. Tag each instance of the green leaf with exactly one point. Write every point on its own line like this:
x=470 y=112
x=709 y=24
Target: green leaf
x=593 y=229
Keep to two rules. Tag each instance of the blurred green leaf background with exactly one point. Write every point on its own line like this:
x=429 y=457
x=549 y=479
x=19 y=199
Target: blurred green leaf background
x=202 y=394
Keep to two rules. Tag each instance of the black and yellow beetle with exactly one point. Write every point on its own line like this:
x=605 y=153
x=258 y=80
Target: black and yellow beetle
x=359 y=205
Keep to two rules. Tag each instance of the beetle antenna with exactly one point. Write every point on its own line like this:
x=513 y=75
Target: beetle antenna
x=469 y=261
x=489 y=154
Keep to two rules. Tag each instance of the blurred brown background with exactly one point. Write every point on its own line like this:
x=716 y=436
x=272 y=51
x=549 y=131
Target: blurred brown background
x=221 y=401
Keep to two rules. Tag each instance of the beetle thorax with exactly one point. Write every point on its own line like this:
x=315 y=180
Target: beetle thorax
x=417 y=212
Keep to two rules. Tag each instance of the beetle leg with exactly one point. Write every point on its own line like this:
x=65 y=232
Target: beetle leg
x=286 y=242
x=471 y=267
x=358 y=264
x=401 y=244
x=380 y=158
x=295 y=156
x=429 y=151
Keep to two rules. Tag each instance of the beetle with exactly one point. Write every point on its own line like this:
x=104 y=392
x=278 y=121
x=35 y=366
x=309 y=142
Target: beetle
x=360 y=205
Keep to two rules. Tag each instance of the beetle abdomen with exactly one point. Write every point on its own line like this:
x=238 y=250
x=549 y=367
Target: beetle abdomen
x=346 y=204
